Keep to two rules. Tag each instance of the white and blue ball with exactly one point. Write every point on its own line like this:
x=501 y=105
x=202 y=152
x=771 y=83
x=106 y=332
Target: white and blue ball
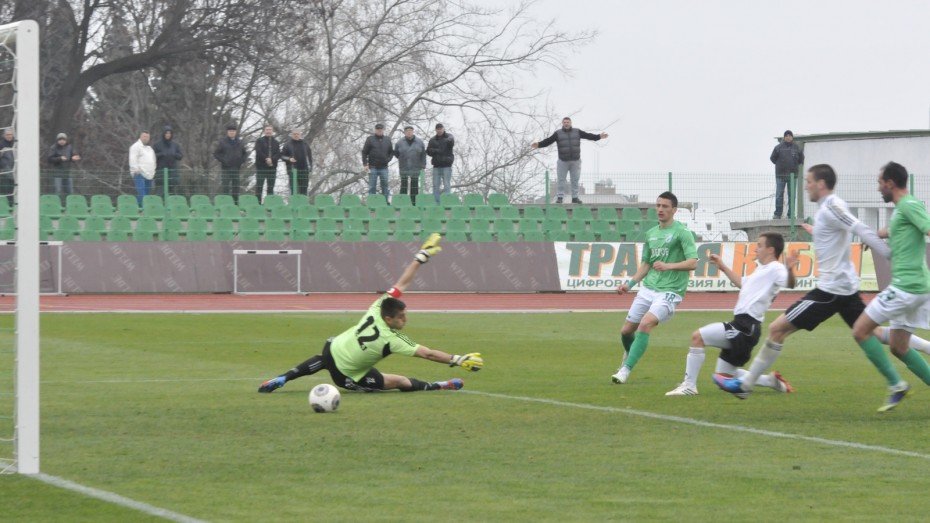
x=324 y=398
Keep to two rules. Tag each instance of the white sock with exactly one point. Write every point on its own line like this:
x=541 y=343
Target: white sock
x=693 y=365
x=919 y=344
x=763 y=361
x=765 y=380
x=727 y=368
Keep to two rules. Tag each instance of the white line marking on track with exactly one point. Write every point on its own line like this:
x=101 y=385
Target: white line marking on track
x=707 y=424
x=147 y=380
x=115 y=499
x=354 y=311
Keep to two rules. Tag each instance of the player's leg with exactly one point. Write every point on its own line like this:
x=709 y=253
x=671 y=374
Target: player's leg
x=638 y=309
x=916 y=342
x=561 y=171
x=407 y=384
x=742 y=383
x=308 y=367
x=716 y=334
x=661 y=310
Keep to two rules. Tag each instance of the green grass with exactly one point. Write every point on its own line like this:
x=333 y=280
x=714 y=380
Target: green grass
x=123 y=411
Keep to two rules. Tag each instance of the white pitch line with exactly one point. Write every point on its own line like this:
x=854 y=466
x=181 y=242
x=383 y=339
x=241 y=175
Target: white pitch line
x=115 y=499
x=352 y=311
x=708 y=424
x=147 y=380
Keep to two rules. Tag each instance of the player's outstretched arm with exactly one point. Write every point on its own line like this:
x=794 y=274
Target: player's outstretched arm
x=641 y=273
x=718 y=261
x=471 y=361
x=428 y=249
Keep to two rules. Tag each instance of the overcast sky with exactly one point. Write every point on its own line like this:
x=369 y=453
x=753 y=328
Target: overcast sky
x=704 y=86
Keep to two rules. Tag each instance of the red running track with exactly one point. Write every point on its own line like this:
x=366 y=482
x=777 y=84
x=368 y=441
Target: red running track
x=361 y=301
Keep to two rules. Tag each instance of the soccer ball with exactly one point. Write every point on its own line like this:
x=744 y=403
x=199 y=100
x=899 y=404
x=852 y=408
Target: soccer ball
x=324 y=398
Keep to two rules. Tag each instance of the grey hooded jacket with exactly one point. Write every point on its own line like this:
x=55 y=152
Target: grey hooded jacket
x=411 y=155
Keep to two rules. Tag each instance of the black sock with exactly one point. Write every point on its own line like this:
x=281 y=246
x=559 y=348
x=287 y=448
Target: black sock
x=311 y=366
x=416 y=385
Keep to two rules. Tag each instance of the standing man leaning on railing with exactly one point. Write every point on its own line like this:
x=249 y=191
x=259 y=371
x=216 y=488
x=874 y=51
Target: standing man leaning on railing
x=167 y=155
x=568 y=142
x=61 y=156
x=267 y=156
x=7 y=162
x=297 y=157
x=788 y=158
x=439 y=149
x=230 y=152
x=142 y=165
x=411 y=160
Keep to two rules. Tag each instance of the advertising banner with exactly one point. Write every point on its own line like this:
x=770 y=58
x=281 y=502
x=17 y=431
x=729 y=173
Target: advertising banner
x=597 y=266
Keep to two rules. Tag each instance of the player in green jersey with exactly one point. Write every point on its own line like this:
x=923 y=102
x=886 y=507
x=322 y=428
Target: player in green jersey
x=669 y=254
x=905 y=303
x=351 y=356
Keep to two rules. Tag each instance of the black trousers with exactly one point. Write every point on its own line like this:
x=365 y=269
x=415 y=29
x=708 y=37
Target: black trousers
x=410 y=182
x=6 y=186
x=229 y=179
x=174 y=182
x=264 y=177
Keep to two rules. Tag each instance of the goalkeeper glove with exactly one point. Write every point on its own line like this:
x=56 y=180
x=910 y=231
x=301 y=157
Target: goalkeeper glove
x=429 y=248
x=471 y=361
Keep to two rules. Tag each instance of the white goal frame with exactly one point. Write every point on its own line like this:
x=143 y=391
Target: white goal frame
x=25 y=35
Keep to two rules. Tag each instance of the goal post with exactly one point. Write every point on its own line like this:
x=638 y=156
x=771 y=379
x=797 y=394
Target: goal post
x=19 y=44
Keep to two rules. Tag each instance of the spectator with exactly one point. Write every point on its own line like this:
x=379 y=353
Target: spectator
x=568 y=142
x=439 y=150
x=142 y=164
x=376 y=154
x=411 y=159
x=787 y=157
x=167 y=155
x=7 y=162
x=297 y=157
x=267 y=155
x=230 y=152
x=61 y=157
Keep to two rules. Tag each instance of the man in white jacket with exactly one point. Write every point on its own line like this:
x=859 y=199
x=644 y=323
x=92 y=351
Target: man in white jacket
x=142 y=165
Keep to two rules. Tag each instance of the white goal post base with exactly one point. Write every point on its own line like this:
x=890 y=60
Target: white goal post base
x=264 y=252
x=57 y=291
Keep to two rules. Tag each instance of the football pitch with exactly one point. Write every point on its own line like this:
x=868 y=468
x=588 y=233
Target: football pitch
x=162 y=409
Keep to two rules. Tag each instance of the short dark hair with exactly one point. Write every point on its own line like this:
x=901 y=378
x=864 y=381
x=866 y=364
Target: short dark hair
x=569 y=118
x=669 y=195
x=824 y=172
x=774 y=240
x=391 y=307
x=895 y=172
x=408 y=127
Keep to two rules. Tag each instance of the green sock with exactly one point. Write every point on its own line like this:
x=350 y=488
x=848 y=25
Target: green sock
x=637 y=349
x=917 y=364
x=876 y=354
x=627 y=340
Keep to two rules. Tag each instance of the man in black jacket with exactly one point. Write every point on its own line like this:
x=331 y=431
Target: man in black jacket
x=568 y=141
x=7 y=162
x=439 y=149
x=61 y=157
x=267 y=155
x=376 y=154
x=230 y=152
x=167 y=155
x=297 y=158
x=787 y=157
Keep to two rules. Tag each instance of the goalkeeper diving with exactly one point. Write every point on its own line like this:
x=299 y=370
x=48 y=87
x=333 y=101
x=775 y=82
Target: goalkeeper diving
x=351 y=356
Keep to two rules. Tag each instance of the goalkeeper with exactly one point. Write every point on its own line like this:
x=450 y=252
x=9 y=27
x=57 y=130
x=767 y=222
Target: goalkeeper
x=351 y=356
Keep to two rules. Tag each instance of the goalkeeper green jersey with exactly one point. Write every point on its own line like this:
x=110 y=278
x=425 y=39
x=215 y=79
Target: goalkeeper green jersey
x=908 y=238
x=360 y=348
x=671 y=244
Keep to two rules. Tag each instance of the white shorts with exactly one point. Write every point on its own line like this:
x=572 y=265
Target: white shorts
x=902 y=310
x=660 y=304
x=715 y=335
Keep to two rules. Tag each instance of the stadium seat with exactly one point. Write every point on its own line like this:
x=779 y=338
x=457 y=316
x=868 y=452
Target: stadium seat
x=275 y=224
x=334 y=212
x=376 y=200
x=552 y=225
x=325 y=236
x=482 y=236
x=50 y=199
x=101 y=200
x=90 y=236
x=479 y=225
x=485 y=212
x=430 y=226
x=502 y=225
x=608 y=214
x=526 y=225
x=326 y=224
x=648 y=224
x=200 y=199
x=471 y=200
x=324 y=200
x=378 y=236
x=557 y=213
x=143 y=236
x=379 y=224
x=626 y=226
x=636 y=236
x=171 y=235
x=76 y=205
x=173 y=224
x=197 y=225
x=248 y=200
x=409 y=213
x=400 y=201
x=359 y=213
x=584 y=236
x=174 y=199
x=203 y=210
x=460 y=213
x=559 y=236
x=255 y=211
x=405 y=236
x=179 y=210
x=223 y=225
x=351 y=200
x=230 y=212
x=535 y=213
x=455 y=225
x=273 y=201
x=281 y=213
x=154 y=208
x=387 y=213
x=610 y=236
x=117 y=236
x=351 y=236
x=69 y=223
x=508 y=236
x=152 y=200
x=434 y=213
x=300 y=235
x=249 y=235
x=651 y=214
x=310 y=212
x=297 y=201
x=353 y=224
x=405 y=224
x=582 y=213
x=48 y=208
x=196 y=236
x=456 y=236
x=224 y=235
x=250 y=224
x=510 y=213
x=576 y=226
x=121 y=223
x=147 y=224
x=426 y=202
x=95 y=223
x=223 y=199
x=449 y=200
x=498 y=200
x=601 y=226
x=534 y=236
x=631 y=214
x=275 y=235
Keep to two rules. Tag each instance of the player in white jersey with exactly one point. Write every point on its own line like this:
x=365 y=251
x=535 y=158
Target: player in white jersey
x=738 y=337
x=837 y=290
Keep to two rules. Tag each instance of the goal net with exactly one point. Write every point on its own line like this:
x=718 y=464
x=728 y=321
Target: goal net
x=19 y=180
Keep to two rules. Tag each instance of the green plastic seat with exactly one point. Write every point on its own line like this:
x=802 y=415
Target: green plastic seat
x=224 y=236
x=249 y=235
x=651 y=214
x=179 y=210
x=297 y=201
x=631 y=214
x=405 y=236
x=221 y=200
x=300 y=235
x=250 y=224
x=203 y=210
x=378 y=236
x=49 y=209
x=535 y=213
x=198 y=225
x=273 y=201
x=121 y=223
x=478 y=225
x=449 y=200
x=557 y=213
x=281 y=213
x=223 y=225
x=582 y=213
x=626 y=226
x=353 y=224
x=90 y=236
x=456 y=236
x=69 y=223
x=485 y=212
x=196 y=236
x=601 y=226
x=378 y=224
x=50 y=199
x=351 y=236
x=176 y=199
x=255 y=211
x=575 y=226
x=456 y=225
x=410 y=213
x=117 y=236
x=482 y=236
x=143 y=236
x=502 y=225
x=326 y=224
x=324 y=200
x=610 y=236
x=376 y=200
x=387 y=213
x=430 y=226
x=171 y=235
x=552 y=225
x=146 y=224
x=200 y=199
x=510 y=213
x=173 y=224
x=460 y=213
x=508 y=236
x=405 y=224
x=275 y=236
x=359 y=213
x=101 y=199
x=102 y=209
x=400 y=201
x=607 y=213
x=301 y=224
x=559 y=236
x=336 y=213
x=426 y=202
x=351 y=200
x=231 y=212
x=434 y=213
x=526 y=225
x=471 y=200
x=275 y=224
x=248 y=200
x=636 y=236
x=95 y=223
x=76 y=205
x=309 y=212
x=325 y=236
x=498 y=200
x=584 y=236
